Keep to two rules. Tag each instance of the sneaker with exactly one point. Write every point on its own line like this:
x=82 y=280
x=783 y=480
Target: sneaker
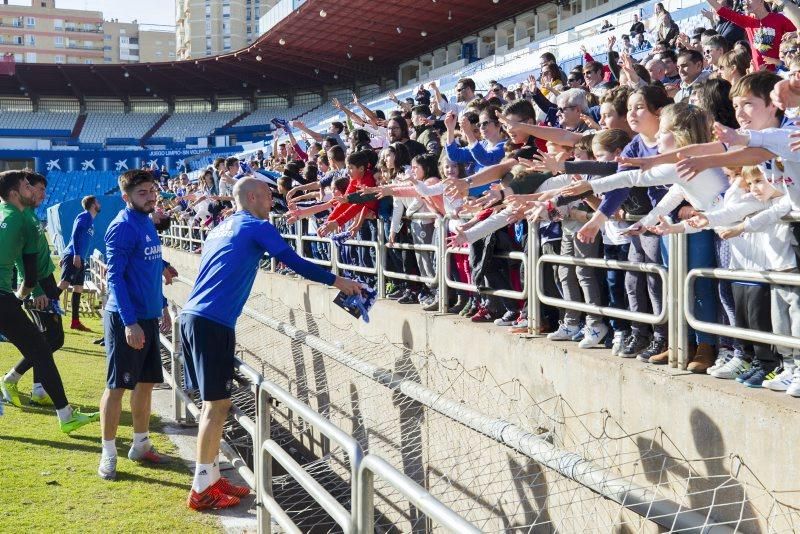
x=472 y=309
x=390 y=288
x=593 y=336
x=794 y=387
x=409 y=297
x=432 y=305
x=733 y=368
x=579 y=334
x=703 y=359
x=564 y=332
x=397 y=293
x=213 y=498
x=107 y=470
x=508 y=319
x=10 y=392
x=635 y=344
x=483 y=316
x=754 y=367
x=79 y=326
x=232 y=489
x=78 y=420
x=657 y=346
x=757 y=379
x=618 y=342
x=42 y=400
x=780 y=382
x=149 y=456
x=724 y=355
x=461 y=302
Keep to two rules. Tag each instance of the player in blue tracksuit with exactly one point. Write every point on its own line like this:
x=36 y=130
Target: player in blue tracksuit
x=228 y=267
x=73 y=261
x=134 y=307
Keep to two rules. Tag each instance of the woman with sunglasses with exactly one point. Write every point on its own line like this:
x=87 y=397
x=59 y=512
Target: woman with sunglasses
x=488 y=148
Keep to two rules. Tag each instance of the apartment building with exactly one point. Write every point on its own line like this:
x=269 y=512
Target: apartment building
x=131 y=42
x=44 y=33
x=209 y=27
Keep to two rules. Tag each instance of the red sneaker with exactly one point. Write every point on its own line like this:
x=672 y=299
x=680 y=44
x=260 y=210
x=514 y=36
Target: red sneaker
x=77 y=325
x=483 y=316
x=231 y=489
x=213 y=498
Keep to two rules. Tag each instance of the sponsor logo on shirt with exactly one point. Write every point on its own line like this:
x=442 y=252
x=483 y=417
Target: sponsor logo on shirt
x=147 y=238
x=222 y=231
x=152 y=253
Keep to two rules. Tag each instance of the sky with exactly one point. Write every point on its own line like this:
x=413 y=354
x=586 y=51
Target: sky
x=145 y=11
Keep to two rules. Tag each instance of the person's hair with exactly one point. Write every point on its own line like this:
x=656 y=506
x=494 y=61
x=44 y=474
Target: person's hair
x=494 y=101
x=34 y=178
x=751 y=172
x=655 y=97
x=690 y=125
x=217 y=161
x=285 y=183
x=626 y=37
x=585 y=144
x=573 y=97
x=744 y=43
x=714 y=95
x=331 y=140
x=429 y=164
x=553 y=70
x=707 y=34
x=361 y=139
x=363 y=158
x=336 y=153
x=401 y=159
x=758 y=84
x=668 y=54
x=444 y=160
x=593 y=66
x=292 y=170
x=521 y=108
x=323 y=160
x=692 y=55
x=467 y=82
x=493 y=112
x=9 y=181
x=231 y=161
x=135 y=177
x=338 y=125
x=310 y=173
x=341 y=183
x=718 y=41
x=548 y=56
x=380 y=114
x=642 y=72
x=618 y=98
x=422 y=110
x=737 y=59
x=611 y=140
x=401 y=122
x=473 y=116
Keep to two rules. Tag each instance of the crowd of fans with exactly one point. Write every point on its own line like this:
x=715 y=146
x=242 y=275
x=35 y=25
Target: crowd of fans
x=603 y=161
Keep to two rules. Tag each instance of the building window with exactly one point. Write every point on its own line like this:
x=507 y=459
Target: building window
x=58 y=41
x=226 y=10
x=226 y=43
x=124 y=40
x=17 y=39
x=58 y=24
x=30 y=57
x=226 y=27
x=59 y=59
x=30 y=22
x=106 y=37
x=31 y=40
x=172 y=54
x=88 y=61
x=208 y=10
x=208 y=43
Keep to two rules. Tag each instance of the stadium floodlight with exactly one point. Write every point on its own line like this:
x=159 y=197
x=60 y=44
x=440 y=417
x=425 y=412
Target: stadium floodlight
x=281 y=41
x=258 y=58
x=423 y=33
x=323 y=13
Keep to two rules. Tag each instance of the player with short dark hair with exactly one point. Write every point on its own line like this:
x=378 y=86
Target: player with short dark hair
x=228 y=266
x=73 y=260
x=135 y=305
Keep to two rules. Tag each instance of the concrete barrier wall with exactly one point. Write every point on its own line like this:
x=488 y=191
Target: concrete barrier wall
x=646 y=414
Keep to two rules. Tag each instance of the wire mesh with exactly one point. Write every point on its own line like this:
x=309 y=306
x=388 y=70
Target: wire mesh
x=490 y=484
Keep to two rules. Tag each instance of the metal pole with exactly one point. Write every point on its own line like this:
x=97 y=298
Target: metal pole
x=380 y=261
x=681 y=329
x=534 y=305
x=176 y=364
x=262 y=469
x=442 y=264
x=673 y=303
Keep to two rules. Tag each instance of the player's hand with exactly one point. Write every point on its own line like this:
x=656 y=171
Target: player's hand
x=41 y=302
x=166 y=322
x=77 y=261
x=347 y=286
x=134 y=335
x=169 y=273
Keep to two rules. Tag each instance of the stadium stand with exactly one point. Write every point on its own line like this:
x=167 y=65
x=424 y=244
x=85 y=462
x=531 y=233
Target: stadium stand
x=41 y=123
x=194 y=124
x=64 y=186
x=102 y=127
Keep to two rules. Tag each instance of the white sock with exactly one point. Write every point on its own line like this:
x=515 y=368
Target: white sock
x=65 y=413
x=215 y=469
x=38 y=390
x=141 y=441
x=13 y=376
x=109 y=447
x=203 y=477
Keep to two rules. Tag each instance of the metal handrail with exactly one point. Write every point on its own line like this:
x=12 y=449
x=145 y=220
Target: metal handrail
x=789 y=279
x=417 y=496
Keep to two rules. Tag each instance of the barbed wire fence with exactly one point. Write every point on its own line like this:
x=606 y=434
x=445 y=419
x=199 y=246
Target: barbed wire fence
x=492 y=485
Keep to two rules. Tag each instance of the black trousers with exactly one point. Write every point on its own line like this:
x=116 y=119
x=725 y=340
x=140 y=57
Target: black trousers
x=753 y=311
x=51 y=327
x=17 y=327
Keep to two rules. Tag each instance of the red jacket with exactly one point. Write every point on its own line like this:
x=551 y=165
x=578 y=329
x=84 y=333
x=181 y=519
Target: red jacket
x=764 y=34
x=346 y=211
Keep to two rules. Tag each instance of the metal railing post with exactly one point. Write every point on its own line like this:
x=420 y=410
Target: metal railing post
x=380 y=260
x=176 y=363
x=262 y=469
x=672 y=303
x=334 y=257
x=442 y=264
x=681 y=328
x=534 y=306
x=298 y=237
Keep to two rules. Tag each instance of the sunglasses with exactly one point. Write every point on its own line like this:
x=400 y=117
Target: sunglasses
x=485 y=124
x=565 y=108
x=573 y=80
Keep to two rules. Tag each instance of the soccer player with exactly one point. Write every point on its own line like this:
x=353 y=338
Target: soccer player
x=74 y=259
x=19 y=237
x=228 y=267
x=45 y=315
x=135 y=305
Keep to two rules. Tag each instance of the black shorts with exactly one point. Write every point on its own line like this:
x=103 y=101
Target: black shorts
x=208 y=348
x=126 y=365
x=70 y=273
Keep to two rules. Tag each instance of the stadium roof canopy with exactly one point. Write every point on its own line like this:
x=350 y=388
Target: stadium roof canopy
x=314 y=53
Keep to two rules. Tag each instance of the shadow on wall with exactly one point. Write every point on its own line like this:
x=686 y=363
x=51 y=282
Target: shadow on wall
x=710 y=487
